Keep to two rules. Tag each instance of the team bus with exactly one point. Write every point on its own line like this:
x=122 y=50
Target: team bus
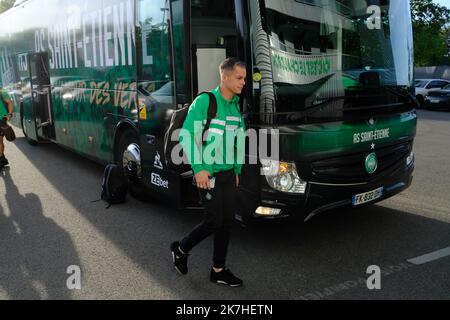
x=330 y=81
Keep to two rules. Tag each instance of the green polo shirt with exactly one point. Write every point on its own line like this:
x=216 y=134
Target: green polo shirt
x=4 y=108
x=225 y=145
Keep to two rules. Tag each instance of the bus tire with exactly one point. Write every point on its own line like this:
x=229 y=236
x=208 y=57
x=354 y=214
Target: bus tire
x=128 y=155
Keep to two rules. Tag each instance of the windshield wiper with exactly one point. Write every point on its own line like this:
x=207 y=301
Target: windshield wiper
x=405 y=95
x=325 y=102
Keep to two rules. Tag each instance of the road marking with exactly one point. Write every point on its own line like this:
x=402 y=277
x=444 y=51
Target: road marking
x=431 y=256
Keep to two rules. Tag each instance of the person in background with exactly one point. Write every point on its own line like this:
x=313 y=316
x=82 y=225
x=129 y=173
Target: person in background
x=6 y=112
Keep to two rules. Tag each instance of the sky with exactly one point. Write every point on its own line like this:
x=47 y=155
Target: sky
x=443 y=3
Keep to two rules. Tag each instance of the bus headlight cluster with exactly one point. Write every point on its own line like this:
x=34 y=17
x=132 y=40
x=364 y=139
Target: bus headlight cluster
x=410 y=159
x=283 y=176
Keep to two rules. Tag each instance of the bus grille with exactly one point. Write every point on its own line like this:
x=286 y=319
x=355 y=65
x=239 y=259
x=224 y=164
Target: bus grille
x=351 y=168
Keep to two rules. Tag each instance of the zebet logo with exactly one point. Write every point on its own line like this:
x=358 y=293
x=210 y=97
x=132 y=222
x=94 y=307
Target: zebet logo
x=159 y=182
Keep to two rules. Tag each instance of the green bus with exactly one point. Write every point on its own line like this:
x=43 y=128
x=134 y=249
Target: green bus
x=329 y=92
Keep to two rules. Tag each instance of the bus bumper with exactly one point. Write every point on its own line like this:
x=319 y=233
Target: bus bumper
x=320 y=198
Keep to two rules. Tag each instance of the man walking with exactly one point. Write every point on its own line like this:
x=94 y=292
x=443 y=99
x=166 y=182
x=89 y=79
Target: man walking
x=6 y=112
x=217 y=179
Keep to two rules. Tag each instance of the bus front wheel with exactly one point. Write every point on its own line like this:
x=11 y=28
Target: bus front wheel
x=129 y=156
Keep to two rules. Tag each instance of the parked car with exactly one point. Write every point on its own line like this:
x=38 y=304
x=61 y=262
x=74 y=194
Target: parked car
x=438 y=99
x=425 y=86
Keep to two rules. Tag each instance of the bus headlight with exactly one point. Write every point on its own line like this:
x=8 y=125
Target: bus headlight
x=283 y=176
x=410 y=159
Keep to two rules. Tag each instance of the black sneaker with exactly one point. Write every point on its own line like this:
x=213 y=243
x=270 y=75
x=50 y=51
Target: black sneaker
x=179 y=258
x=226 y=277
x=3 y=162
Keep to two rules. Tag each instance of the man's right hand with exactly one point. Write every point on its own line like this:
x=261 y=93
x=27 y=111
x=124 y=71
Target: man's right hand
x=202 y=179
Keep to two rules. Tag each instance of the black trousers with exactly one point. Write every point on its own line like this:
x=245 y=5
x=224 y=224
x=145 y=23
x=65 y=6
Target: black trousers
x=220 y=208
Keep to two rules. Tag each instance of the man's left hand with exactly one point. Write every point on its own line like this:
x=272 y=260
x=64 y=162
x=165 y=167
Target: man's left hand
x=9 y=115
x=237 y=181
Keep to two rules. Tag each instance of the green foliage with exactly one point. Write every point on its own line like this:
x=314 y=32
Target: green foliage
x=431 y=27
x=5 y=5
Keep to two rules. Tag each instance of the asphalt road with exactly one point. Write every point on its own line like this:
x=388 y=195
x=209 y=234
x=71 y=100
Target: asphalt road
x=48 y=222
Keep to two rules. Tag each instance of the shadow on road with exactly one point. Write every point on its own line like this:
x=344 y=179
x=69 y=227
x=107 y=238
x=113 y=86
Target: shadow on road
x=278 y=261
x=34 y=251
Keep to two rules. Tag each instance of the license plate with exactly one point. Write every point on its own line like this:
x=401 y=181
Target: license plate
x=367 y=197
x=434 y=101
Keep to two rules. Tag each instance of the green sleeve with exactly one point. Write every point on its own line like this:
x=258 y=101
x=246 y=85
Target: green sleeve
x=240 y=148
x=5 y=95
x=4 y=108
x=191 y=135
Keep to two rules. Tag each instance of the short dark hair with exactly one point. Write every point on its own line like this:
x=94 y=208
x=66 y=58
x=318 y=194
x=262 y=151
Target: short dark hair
x=231 y=63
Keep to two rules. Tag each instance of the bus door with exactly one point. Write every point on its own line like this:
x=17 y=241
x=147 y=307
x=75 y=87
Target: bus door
x=156 y=92
x=41 y=95
x=203 y=34
x=213 y=39
x=180 y=32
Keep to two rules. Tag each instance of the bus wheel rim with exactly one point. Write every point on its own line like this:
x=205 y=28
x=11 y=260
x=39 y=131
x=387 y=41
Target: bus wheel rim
x=132 y=162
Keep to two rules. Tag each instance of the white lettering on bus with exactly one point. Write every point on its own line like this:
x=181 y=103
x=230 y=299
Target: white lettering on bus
x=87 y=62
x=370 y=136
x=108 y=38
x=52 y=52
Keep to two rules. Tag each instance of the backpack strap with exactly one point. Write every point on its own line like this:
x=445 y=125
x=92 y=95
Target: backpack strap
x=212 y=113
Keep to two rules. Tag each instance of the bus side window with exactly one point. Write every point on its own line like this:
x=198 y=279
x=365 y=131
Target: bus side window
x=155 y=72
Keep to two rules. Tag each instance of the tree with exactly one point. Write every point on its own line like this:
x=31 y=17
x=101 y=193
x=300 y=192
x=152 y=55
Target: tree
x=431 y=27
x=5 y=5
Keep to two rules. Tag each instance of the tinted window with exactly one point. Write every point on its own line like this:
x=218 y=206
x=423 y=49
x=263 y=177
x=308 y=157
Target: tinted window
x=166 y=90
x=421 y=83
x=212 y=8
x=156 y=62
x=434 y=84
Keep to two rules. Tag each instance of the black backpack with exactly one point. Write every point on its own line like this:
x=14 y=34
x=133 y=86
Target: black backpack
x=114 y=185
x=177 y=121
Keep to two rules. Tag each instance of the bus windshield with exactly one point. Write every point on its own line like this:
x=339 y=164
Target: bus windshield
x=332 y=50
